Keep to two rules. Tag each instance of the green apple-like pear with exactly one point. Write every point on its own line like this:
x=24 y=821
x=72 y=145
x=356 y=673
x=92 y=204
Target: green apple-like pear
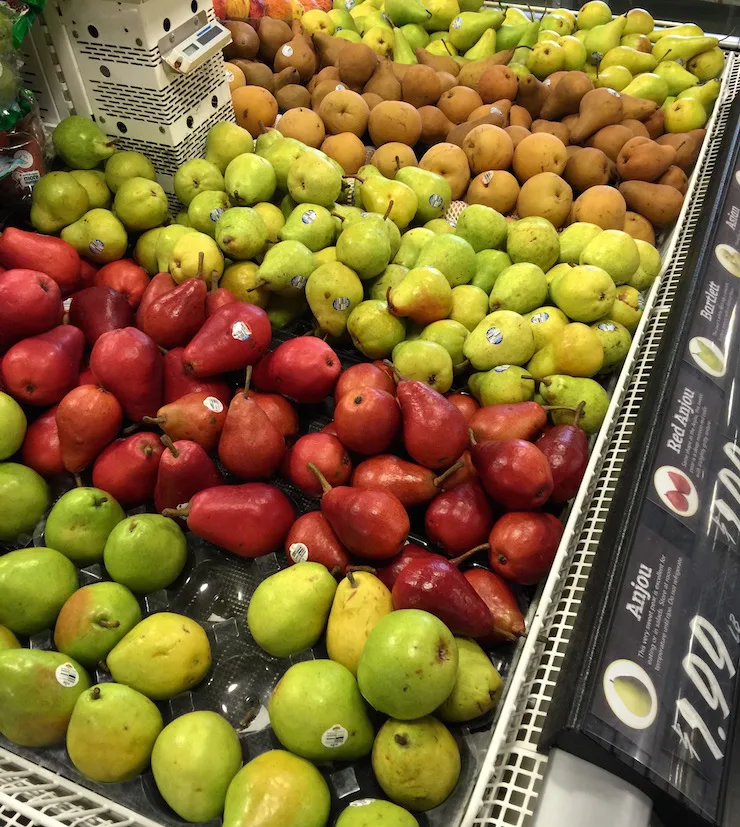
x=482 y=227
x=127 y=164
x=374 y=330
x=574 y=238
x=164 y=244
x=533 y=240
x=364 y=249
x=569 y=392
x=14 y=426
x=554 y=273
x=478 y=686
x=286 y=268
x=332 y=292
x=440 y=226
x=249 y=179
x=469 y=305
x=424 y=296
x=627 y=309
x=390 y=277
x=374 y=812
x=314 y=180
x=224 y=142
x=273 y=219
x=58 y=200
x=451 y=335
x=615 y=340
x=416 y=36
x=574 y=53
x=241 y=233
x=145 y=252
x=205 y=210
x=424 y=361
x=593 y=13
x=281 y=155
x=639 y=21
x=411 y=243
x=685 y=114
x=196 y=176
x=452 y=255
x=614 y=77
x=342 y=20
x=311 y=224
x=615 y=252
x=585 y=293
x=284 y=310
x=489 y=264
x=381 y=195
x=546 y=322
x=195 y=256
x=502 y=338
x=520 y=288
x=707 y=65
x=504 y=384
x=24 y=497
x=433 y=192
x=93 y=180
x=98 y=236
x=546 y=57
x=140 y=204
x=649 y=268
x=371 y=219
x=348 y=34
x=80 y=143
x=241 y=280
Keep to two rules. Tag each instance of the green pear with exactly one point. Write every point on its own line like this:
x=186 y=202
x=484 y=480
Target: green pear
x=14 y=426
x=140 y=204
x=277 y=789
x=685 y=114
x=685 y=29
x=633 y=60
x=267 y=139
x=402 y=51
x=585 y=293
x=574 y=238
x=451 y=255
x=112 y=732
x=683 y=47
x=515 y=17
x=614 y=77
x=482 y=227
x=93 y=620
x=224 y=142
x=80 y=143
x=615 y=252
x=273 y=219
x=194 y=760
x=249 y=179
x=546 y=322
x=569 y=392
x=241 y=233
x=574 y=53
x=546 y=57
x=600 y=39
x=284 y=310
x=373 y=812
x=502 y=338
x=440 y=226
x=286 y=268
x=649 y=268
x=98 y=236
x=468 y=27
x=627 y=309
x=526 y=44
x=281 y=155
x=411 y=243
x=196 y=176
x=93 y=180
x=390 y=277
x=375 y=331
x=80 y=522
x=401 y=12
x=443 y=13
x=8 y=640
x=424 y=296
x=348 y=34
x=504 y=384
x=451 y=335
x=58 y=200
x=311 y=224
x=164 y=244
x=677 y=78
x=639 y=21
x=288 y=610
x=533 y=240
x=415 y=35
x=478 y=686
x=509 y=35
x=177 y=644
x=576 y=351
x=425 y=361
x=371 y=219
x=313 y=179
x=554 y=273
x=489 y=264
x=195 y=256
x=594 y=13
x=145 y=552
x=615 y=340
x=469 y=305
x=317 y=712
x=145 y=252
x=557 y=23
x=381 y=195
x=485 y=47
x=543 y=363
x=649 y=86
x=342 y=20
x=364 y=249
x=127 y=164
x=520 y=288
x=433 y=192
x=375 y=20
x=24 y=497
x=241 y=281
x=182 y=217
x=417 y=763
x=205 y=210
x=332 y=292
x=38 y=692
x=707 y=65
x=707 y=93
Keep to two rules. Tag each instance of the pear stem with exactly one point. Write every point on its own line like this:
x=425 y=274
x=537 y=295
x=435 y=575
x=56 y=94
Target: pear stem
x=131 y=429
x=95 y=694
x=148 y=450
x=579 y=412
x=112 y=142
x=168 y=443
x=163 y=350
x=351 y=578
x=396 y=375
x=214 y=280
x=368 y=569
x=336 y=215
x=247 y=380
x=154 y=420
x=256 y=286
x=78 y=480
x=388 y=210
x=325 y=487
x=473 y=440
x=438 y=481
x=355 y=177
x=558 y=408
x=109 y=624
x=201 y=264
x=180 y=511
x=456 y=561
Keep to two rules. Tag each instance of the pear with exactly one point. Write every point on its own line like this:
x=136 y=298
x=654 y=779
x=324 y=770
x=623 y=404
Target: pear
x=615 y=252
x=469 y=27
x=485 y=47
x=520 y=288
x=402 y=52
x=684 y=115
x=452 y=255
x=424 y=296
x=14 y=426
x=451 y=335
x=543 y=363
x=577 y=351
x=600 y=39
x=25 y=497
x=547 y=56
x=627 y=308
x=8 y=640
x=140 y=204
x=286 y=268
x=533 y=240
x=313 y=179
x=195 y=256
x=249 y=179
x=685 y=29
x=635 y=62
x=366 y=250
x=649 y=268
x=375 y=331
x=648 y=86
x=573 y=240
x=569 y=392
x=273 y=219
x=241 y=233
x=311 y=224
x=707 y=65
x=93 y=180
x=594 y=13
x=440 y=226
x=677 y=78
x=614 y=77
x=205 y=210
x=112 y=733
x=332 y=292
x=415 y=35
x=546 y=322
x=378 y=288
x=127 y=164
x=469 y=305
x=165 y=241
x=411 y=243
x=478 y=686
x=282 y=311
x=195 y=176
x=502 y=385
x=683 y=47
x=80 y=143
x=585 y=293
x=224 y=142
x=502 y=338
x=489 y=264
x=145 y=252
x=707 y=93
x=242 y=282
x=443 y=13
x=433 y=192
x=374 y=220
x=281 y=155
x=615 y=341
x=373 y=812
x=381 y=195
x=482 y=227
x=58 y=200
x=425 y=361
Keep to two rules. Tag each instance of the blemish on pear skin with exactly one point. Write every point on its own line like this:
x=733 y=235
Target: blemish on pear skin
x=401 y=740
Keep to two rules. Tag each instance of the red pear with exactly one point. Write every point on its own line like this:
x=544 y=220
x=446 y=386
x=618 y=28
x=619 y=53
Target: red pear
x=159 y=286
x=42 y=253
x=566 y=449
x=216 y=299
x=184 y=470
x=367 y=420
x=128 y=364
x=523 y=545
x=196 y=416
x=237 y=335
x=40 y=370
x=250 y=446
x=178 y=380
x=86 y=377
x=176 y=316
x=514 y=472
x=305 y=369
x=370 y=524
x=248 y=520
x=125 y=277
x=30 y=303
x=435 y=433
x=279 y=411
x=496 y=593
x=409 y=553
x=312 y=539
x=127 y=468
x=460 y=518
x=412 y=484
x=326 y=452
x=517 y=420
x=361 y=376
x=88 y=272
x=40 y=449
x=96 y=310
x=88 y=419
x=329 y=428
x=465 y=473
x=464 y=403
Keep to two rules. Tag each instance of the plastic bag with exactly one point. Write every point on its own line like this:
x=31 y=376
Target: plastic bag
x=16 y=18
x=254 y=9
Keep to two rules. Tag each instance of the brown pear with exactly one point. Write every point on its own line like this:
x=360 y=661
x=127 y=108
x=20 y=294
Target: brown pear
x=556 y=128
x=565 y=95
x=546 y=195
x=303 y=125
x=446 y=81
x=272 y=34
x=497 y=82
x=394 y=121
x=347 y=150
x=532 y=95
x=344 y=111
x=471 y=73
x=244 y=41
x=434 y=125
x=655 y=124
x=356 y=64
x=384 y=83
x=292 y=96
x=371 y=99
x=458 y=103
x=542 y=152
x=641 y=159
x=687 y=146
x=256 y=74
x=517 y=134
x=519 y=116
x=639 y=227
x=610 y=140
x=457 y=134
x=285 y=77
x=327 y=73
x=321 y=90
x=598 y=108
x=675 y=177
x=603 y=206
x=588 y=167
x=637 y=108
x=299 y=54
x=421 y=86
x=498 y=190
x=399 y=70
x=253 y=106
x=440 y=63
x=659 y=203
x=449 y=161
x=555 y=78
x=389 y=158
x=637 y=128
x=481 y=111
x=504 y=106
x=328 y=48
x=488 y=147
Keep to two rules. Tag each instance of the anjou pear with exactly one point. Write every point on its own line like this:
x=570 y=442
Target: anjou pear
x=374 y=812
x=88 y=419
x=127 y=470
x=81 y=143
x=374 y=330
x=497 y=594
x=514 y=472
x=332 y=292
x=502 y=338
x=570 y=392
x=411 y=483
x=478 y=686
x=184 y=470
x=523 y=545
x=566 y=449
x=459 y=519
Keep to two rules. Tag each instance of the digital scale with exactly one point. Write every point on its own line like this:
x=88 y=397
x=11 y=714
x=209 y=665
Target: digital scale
x=196 y=49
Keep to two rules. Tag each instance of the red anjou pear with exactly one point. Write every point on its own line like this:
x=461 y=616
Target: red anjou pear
x=516 y=420
x=566 y=449
x=367 y=420
x=43 y=253
x=88 y=272
x=30 y=303
x=279 y=411
x=96 y=310
x=195 y=416
x=409 y=553
x=248 y=520
x=178 y=380
x=464 y=403
x=465 y=473
x=496 y=593
x=159 y=286
x=435 y=432
x=184 y=470
x=363 y=375
x=326 y=452
x=329 y=428
x=411 y=483
x=217 y=298
x=514 y=472
x=523 y=545
x=40 y=370
x=250 y=446
x=312 y=539
x=125 y=277
x=127 y=468
x=437 y=586
x=176 y=316
x=370 y=524
x=128 y=364
x=88 y=419
x=460 y=518
x=305 y=369
x=237 y=335
x=40 y=449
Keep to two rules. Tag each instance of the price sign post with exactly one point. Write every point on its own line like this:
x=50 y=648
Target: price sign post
x=649 y=688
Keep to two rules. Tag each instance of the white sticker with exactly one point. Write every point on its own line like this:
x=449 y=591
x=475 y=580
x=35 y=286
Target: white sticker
x=606 y=326
x=67 y=675
x=349 y=4
x=436 y=200
x=335 y=736
x=215 y=214
x=539 y=318
x=25 y=159
x=487 y=176
x=213 y=404
x=309 y=217
x=641 y=301
x=494 y=336
x=362 y=802
x=66 y=304
x=340 y=87
x=298 y=552
x=96 y=247
x=457 y=22
x=229 y=76
x=342 y=303
x=299 y=282
x=287 y=50
x=240 y=331
x=501 y=368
